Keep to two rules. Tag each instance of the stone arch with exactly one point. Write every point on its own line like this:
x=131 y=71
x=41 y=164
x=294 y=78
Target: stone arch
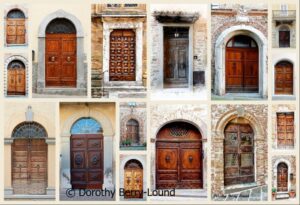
x=275 y=165
x=258 y=36
x=126 y=118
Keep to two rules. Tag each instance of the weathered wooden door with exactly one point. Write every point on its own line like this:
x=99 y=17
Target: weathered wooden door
x=87 y=161
x=132 y=131
x=61 y=52
x=122 y=59
x=238 y=154
x=284 y=78
x=282 y=177
x=133 y=179
x=16 y=83
x=29 y=166
x=285 y=130
x=15 y=27
x=241 y=65
x=179 y=157
x=176 y=57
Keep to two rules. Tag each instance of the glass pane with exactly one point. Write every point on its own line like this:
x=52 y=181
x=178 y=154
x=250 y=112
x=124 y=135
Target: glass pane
x=86 y=126
x=231 y=139
x=15 y=13
x=246 y=160
x=231 y=160
x=246 y=139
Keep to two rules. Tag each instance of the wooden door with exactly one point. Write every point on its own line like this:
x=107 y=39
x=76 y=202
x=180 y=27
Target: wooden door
x=241 y=65
x=238 y=154
x=179 y=157
x=16 y=78
x=15 y=27
x=29 y=166
x=61 y=60
x=122 y=55
x=133 y=179
x=284 y=78
x=285 y=130
x=176 y=58
x=132 y=131
x=282 y=177
x=87 y=161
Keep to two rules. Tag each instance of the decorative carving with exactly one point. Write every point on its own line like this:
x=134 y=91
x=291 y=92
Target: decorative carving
x=78 y=159
x=95 y=160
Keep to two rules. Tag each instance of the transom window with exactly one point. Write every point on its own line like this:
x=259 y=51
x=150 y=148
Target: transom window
x=60 y=25
x=15 y=14
x=16 y=64
x=86 y=125
x=241 y=41
x=29 y=130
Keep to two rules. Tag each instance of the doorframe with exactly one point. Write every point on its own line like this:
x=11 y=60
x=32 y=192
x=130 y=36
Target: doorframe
x=277 y=162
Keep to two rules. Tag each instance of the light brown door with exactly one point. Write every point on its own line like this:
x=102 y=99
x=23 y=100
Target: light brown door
x=238 y=154
x=285 y=130
x=29 y=166
x=16 y=83
x=133 y=179
x=284 y=78
x=282 y=177
x=87 y=161
x=15 y=27
x=122 y=55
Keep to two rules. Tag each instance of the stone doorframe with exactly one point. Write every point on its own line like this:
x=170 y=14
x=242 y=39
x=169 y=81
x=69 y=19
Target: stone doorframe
x=220 y=61
x=275 y=165
x=218 y=141
x=6 y=63
x=81 y=81
x=161 y=58
x=137 y=27
x=108 y=151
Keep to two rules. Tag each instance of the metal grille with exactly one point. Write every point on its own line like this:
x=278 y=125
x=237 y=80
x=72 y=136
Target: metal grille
x=29 y=130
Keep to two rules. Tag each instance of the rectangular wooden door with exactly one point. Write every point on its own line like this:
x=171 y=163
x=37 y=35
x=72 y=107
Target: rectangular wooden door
x=284 y=79
x=15 y=31
x=87 y=161
x=133 y=182
x=61 y=60
x=285 y=130
x=29 y=166
x=16 y=81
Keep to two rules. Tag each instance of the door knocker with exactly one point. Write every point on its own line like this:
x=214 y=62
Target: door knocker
x=190 y=159
x=167 y=158
x=68 y=58
x=52 y=58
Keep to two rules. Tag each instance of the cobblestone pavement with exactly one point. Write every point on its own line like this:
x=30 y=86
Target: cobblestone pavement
x=253 y=194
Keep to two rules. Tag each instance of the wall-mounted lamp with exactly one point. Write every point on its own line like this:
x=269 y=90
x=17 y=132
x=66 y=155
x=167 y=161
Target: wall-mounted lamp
x=132 y=105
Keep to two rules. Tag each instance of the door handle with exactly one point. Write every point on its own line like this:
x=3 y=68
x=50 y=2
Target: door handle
x=68 y=58
x=52 y=59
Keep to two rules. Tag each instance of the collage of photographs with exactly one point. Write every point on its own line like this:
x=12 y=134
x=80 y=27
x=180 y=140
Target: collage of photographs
x=113 y=102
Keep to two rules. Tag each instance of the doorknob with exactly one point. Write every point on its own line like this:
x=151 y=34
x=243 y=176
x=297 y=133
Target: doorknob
x=167 y=158
x=68 y=58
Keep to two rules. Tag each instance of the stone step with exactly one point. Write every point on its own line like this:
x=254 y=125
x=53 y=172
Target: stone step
x=282 y=196
x=239 y=189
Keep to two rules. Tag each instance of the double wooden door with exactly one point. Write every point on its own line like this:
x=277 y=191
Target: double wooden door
x=132 y=131
x=29 y=166
x=285 y=130
x=122 y=60
x=284 y=78
x=133 y=180
x=15 y=31
x=238 y=154
x=60 y=59
x=87 y=161
x=16 y=83
x=282 y=177
x=242 y=69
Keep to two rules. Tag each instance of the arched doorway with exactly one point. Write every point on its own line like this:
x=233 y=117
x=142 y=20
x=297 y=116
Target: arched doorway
x=238 y=152
x=284 y=78
x=60 y=53
x=16 y=78
x=242 y=73
x=15 y=27
x=132 y=131
x=29 y=159
x=282 y=177
x=86 y=154
x=133 y=179
x=179 y=157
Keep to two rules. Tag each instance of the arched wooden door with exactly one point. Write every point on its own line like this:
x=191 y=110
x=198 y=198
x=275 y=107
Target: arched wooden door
x=122 y=55
x=29 y=159
x=241 y=65
x=61 y=52
x=282 y=177
x=15 y=27
x=238 y=154
x=86 y=154
x=132 y=131
x=179 y=157
x=133 y=179
x=16 y=78
x=284 y=78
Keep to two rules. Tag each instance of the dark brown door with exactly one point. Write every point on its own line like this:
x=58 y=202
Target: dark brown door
x=132 y=131
x=238 y=154
x=133 y=179
x=285 y=130
x=284 y=78
x=61 y=60
x=282 y=177
x=16 y=83
x=87 y=161
x=241 y=65
x=179 y=157
x=29 y=166
x=122 y=55
x=176 y=55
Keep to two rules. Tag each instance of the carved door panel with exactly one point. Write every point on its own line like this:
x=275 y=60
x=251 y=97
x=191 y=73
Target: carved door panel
x=29 y=166
x=238 y=154
x=87 y=161
x=61 y=60
x=282 y=177
x=122 y=55
x=284 y=78
x=133 y=182
x=16 y=81
x=15 y=31
x=285 y=129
